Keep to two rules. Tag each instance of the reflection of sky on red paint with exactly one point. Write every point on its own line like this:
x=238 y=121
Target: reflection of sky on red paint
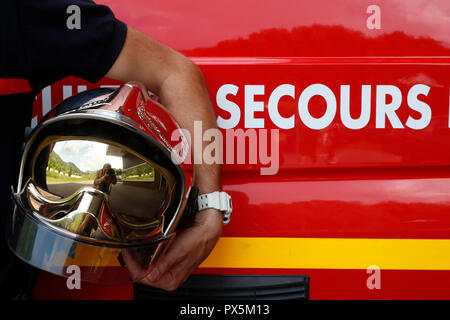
x=190 y=24
x=322 y=41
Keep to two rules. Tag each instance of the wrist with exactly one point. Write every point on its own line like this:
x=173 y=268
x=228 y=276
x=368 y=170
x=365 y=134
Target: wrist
x=209 y=216
x=211 y=221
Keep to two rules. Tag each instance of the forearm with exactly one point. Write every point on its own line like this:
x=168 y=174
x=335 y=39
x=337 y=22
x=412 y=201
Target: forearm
x=186 y=97
x=180 y=86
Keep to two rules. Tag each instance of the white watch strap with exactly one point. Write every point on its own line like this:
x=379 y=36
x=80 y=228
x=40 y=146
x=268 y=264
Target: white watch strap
x=216 y=200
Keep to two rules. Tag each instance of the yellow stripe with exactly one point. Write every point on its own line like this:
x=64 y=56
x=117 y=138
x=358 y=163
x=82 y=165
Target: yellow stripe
x=330 y=253
x=312 y=253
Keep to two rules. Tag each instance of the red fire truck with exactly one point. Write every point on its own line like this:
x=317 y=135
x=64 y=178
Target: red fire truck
x=344 y=191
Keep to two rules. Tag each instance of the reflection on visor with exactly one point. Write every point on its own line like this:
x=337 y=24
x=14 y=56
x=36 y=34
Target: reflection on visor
x=86 y=213
x=100 y=191
x=93 y=204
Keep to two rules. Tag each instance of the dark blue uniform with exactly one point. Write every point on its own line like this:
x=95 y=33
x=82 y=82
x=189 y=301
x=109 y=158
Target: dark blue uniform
x=40 y=44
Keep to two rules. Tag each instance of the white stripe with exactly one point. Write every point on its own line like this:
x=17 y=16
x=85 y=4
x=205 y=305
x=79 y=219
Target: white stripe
x=67 y=92
x=46 y=100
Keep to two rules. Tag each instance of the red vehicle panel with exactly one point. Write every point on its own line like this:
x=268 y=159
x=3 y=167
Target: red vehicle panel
x=348 y=135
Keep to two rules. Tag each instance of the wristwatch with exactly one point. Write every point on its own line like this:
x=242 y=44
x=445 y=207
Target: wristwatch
x=219 y=200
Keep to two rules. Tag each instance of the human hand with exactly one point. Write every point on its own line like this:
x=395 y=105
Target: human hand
x=189 y=248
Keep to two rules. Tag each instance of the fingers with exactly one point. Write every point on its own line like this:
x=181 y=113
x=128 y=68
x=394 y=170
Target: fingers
x=179 y=261
x=174 y=277
x=137 y=272
x=188 y=249
x=165 y=271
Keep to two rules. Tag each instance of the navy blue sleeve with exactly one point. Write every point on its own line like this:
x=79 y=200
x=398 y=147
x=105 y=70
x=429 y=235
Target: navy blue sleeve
x=57 y=46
